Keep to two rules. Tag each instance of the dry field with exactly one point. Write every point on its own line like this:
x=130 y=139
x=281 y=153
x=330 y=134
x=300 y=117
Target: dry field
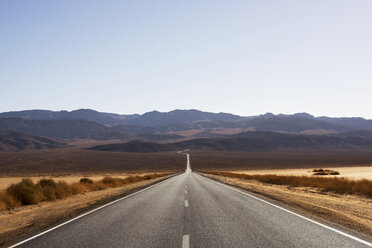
x=348 y=172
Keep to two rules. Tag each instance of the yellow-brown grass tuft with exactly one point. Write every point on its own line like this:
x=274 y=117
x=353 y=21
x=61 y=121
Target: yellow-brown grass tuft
x=333 y=184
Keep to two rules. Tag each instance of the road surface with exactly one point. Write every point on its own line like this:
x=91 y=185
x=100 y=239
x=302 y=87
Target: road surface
x=189 y=210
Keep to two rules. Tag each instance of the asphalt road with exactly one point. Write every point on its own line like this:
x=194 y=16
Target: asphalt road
x=191 y=211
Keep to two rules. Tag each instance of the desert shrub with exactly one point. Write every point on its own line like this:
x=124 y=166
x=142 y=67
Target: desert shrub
x=113 y=182
x=47 y=183
x=49 y=188
x=322 y=172
x=26 y=192
x=86 y=180
x=63 y=190
x=7 y=201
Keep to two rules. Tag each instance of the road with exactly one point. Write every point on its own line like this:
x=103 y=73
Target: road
x=189 y=210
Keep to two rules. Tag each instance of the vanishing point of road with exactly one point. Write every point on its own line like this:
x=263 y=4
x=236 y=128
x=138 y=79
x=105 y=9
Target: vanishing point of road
x=189 y=210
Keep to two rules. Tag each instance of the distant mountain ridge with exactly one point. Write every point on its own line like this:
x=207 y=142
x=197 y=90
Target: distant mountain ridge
x=63 y=129
x=156 y=118
x=80 y=114
x=176 y=124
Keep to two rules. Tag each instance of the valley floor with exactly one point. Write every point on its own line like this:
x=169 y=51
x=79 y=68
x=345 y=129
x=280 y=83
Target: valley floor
x=358 y=172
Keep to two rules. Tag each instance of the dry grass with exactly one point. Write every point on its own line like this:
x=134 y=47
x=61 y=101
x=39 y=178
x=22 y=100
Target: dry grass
x=353 y=172
x=27 y=193
x=5 y=182
x=337 y=185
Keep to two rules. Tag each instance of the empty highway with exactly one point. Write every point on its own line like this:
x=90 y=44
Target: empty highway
x=189 y=210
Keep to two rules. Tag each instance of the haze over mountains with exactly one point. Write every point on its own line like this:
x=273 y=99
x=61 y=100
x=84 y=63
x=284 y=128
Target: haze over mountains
x=192 y=129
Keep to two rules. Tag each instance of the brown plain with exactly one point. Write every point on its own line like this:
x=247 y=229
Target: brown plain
x=282 y=159
x=72 y=160
x=357 y=172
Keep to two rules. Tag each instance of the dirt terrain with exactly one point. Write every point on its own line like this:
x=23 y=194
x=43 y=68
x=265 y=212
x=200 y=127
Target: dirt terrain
x=25 y=221
x=284 y=159
x=347 y=211
x=349 y=172
x=72 y=160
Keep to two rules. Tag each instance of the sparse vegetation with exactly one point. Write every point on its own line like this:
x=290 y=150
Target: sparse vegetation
x=323 y=172
x=26 y=192
x=338 y=185
x=86 y=180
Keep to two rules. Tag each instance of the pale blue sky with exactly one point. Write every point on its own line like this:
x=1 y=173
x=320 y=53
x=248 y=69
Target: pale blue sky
x=244 y=57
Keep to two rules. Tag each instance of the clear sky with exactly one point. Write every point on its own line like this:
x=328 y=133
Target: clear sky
x=244 y=57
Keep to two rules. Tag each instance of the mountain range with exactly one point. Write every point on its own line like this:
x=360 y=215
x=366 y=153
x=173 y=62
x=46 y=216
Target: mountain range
x=86 y=123
x=178 y=127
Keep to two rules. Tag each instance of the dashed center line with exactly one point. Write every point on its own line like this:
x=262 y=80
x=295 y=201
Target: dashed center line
x=185 y=241
x=186 y=203
x=185 y=191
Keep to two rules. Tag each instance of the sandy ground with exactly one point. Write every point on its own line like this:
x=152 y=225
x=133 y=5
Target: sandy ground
x=350 y=172
x=7 y=181
x=346 y=211
x=25 y=221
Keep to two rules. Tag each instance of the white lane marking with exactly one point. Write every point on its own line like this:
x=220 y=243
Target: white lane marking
x=185 y=191
x=185 y=241
x=298 y=215
x=94 y=210
x=186 y=203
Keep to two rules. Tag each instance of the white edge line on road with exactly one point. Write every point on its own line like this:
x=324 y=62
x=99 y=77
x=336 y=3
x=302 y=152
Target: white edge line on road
x=185 y=241
x=91 y=211
x=186 y=203
x=298 y=215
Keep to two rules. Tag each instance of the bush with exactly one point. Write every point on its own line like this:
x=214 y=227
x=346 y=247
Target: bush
x=86 y=180
x=26 y=192
x=63 y=190
x=7 y=201
x=322 y=172
x=49 y=188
